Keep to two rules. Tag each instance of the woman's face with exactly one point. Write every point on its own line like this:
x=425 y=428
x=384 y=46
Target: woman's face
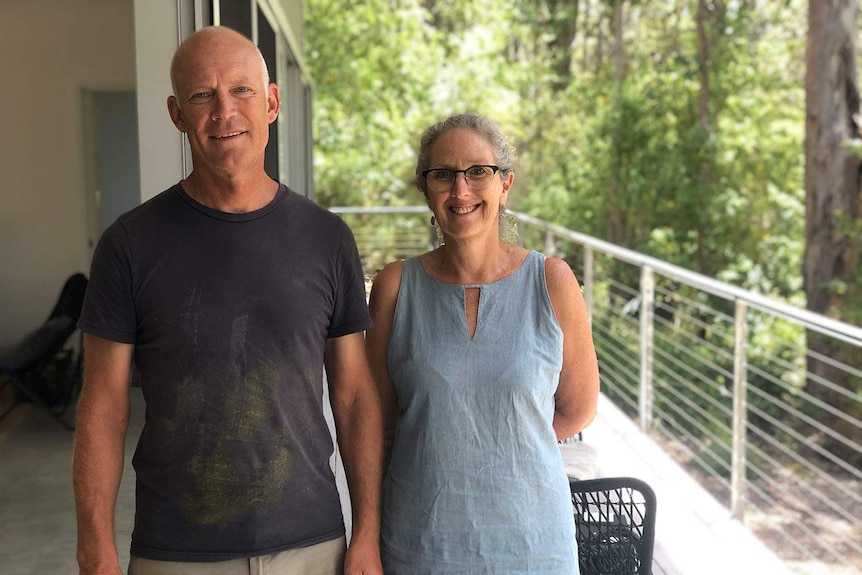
x=461 y=211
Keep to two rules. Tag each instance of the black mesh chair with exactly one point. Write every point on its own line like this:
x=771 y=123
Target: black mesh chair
x=615 y=525
x=41 y=366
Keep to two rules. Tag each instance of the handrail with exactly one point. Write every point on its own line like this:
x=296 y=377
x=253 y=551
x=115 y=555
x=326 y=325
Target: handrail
x=731 y=391
x=817 y=322
x=379 y=210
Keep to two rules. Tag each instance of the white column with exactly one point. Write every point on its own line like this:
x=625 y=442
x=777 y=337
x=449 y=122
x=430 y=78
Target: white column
x=159 y=26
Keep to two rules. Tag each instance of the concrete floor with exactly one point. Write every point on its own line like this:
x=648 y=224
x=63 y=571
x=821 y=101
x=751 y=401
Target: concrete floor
x=37 y=509
x=694 y=534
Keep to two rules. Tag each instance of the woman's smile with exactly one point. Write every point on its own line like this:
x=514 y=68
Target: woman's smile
x=460 y=210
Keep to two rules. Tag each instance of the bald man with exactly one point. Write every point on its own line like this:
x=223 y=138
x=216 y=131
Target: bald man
x=230 y=294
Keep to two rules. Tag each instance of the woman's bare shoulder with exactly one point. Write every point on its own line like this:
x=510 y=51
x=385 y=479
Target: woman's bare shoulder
x=388 y=280
x=559 y=275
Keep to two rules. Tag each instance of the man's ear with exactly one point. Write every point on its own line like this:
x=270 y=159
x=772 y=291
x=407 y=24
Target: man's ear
x=273 y=102
x=176 y=113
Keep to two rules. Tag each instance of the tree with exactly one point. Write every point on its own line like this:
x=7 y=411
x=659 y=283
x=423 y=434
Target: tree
x=833 y=182
x=673 y=128
x=832 y=171
x=372 y=66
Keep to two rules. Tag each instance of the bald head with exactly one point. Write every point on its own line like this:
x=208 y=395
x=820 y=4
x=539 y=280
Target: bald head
x=210 y=42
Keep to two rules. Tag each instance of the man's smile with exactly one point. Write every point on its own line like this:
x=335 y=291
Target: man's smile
x=224 y=136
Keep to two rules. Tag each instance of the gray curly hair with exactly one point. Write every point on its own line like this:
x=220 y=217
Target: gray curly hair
x=504 y=151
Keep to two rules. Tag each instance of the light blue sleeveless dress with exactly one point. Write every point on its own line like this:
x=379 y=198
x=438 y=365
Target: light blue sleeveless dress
x=476 y=482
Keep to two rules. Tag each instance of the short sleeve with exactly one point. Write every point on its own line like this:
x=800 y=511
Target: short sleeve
x=350 y=313
x=109 y=310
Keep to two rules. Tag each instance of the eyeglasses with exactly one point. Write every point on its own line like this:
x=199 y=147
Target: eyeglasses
x=442 y=180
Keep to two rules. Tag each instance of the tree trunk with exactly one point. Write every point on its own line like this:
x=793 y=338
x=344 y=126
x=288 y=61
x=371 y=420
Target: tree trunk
x=705 y=169
x=617 y=230
x=564 y=27
x=832 y=193
x=585 y=57
x=703 y=52
x=619 y=47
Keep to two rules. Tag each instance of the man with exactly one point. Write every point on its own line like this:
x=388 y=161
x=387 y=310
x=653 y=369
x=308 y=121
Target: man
x=229 y=293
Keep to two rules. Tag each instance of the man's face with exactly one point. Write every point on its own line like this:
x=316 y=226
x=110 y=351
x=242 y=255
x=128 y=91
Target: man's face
x=223 y=105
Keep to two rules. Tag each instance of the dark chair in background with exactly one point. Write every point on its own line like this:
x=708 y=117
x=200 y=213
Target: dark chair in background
x=41 y=366
x=615 y=525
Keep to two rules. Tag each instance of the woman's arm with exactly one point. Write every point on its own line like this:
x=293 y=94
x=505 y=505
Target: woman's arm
x=384 y=296
x=578 y=391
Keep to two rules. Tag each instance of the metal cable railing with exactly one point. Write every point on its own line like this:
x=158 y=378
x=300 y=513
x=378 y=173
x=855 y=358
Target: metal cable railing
x=718 y=374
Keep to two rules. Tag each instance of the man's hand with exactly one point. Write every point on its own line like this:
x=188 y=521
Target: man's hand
x=110 y=567
x=363 y=557
x=359 y=428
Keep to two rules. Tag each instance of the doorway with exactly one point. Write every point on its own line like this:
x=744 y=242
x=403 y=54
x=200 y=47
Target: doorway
x=112 y=158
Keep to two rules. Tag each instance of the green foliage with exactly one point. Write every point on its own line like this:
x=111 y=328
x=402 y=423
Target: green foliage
x=632 y=133
x=370 y=66
x=619 y=153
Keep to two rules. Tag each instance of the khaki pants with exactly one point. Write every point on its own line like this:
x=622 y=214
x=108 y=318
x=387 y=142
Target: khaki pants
x=321 y=559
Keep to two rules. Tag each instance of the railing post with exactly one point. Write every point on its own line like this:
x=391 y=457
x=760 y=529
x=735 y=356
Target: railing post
x=647 y=309
x=740 y=410
x=550 y=244
x=589 y=263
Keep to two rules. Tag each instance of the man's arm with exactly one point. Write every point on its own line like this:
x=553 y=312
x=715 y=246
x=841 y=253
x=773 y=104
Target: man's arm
x=359 y=429
x=97 y=467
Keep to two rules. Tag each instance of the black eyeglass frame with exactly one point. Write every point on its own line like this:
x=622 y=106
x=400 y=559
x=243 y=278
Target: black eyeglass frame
x=494 y=170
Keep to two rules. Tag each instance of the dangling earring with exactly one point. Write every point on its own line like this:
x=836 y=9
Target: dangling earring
x=437 y=233
x=508 y=226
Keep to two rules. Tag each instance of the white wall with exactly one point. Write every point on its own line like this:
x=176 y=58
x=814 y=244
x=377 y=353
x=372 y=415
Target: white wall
x=161 y=144
x=292 y=12
x=52 y=49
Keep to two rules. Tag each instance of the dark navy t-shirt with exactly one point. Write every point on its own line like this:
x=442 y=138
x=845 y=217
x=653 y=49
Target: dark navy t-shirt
x=229 y=314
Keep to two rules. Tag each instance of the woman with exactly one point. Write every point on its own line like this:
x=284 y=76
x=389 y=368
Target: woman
x=484 y=357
